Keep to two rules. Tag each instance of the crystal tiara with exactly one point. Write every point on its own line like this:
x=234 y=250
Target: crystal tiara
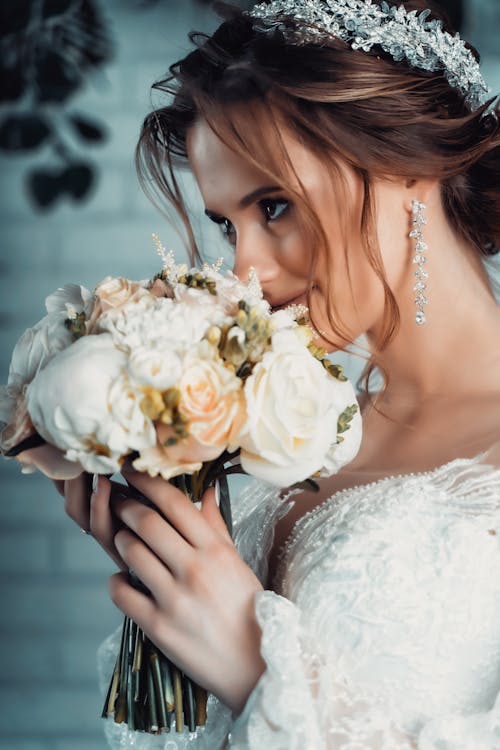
x=405 y=35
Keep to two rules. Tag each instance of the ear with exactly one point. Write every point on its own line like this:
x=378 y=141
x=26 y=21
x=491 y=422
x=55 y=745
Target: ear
x=418 y=189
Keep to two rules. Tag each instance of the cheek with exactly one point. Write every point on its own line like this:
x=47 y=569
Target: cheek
x=292 y=254
x=353 y=291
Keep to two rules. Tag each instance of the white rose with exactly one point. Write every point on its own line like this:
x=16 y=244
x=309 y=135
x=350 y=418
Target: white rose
x=343 y=452
x=81 y=402
x=292 y=406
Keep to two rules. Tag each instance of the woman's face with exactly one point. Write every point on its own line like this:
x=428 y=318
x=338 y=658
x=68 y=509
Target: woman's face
x=260 y=222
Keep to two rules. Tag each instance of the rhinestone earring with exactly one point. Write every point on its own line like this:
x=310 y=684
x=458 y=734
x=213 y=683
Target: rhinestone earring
x=419 y=260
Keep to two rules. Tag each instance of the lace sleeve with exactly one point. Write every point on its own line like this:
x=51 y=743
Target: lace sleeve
x=298 y=704
x=479 y=731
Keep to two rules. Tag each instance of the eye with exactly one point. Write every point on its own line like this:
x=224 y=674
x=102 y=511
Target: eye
x=227 y=229
x=274 y=208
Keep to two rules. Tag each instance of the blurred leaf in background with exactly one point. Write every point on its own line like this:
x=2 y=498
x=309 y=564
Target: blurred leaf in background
x=47 y=50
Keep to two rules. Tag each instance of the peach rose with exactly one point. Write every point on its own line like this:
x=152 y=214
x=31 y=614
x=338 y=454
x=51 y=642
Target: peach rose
x=185 y=457
x=212 y=401
x=111 y=293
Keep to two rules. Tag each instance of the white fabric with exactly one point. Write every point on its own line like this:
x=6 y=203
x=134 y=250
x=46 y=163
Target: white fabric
x=383 y=629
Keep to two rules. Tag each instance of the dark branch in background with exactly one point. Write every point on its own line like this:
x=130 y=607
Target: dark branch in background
x=47 y=48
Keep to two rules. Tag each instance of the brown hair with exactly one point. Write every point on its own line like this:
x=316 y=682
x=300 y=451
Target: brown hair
x=376 y=115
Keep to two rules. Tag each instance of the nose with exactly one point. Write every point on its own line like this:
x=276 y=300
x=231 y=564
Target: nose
x=256 y=249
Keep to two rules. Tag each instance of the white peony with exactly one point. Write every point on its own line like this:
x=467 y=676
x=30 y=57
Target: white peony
x=70 y=299
x=293 y=405
x=83 y=403
x=37 y=346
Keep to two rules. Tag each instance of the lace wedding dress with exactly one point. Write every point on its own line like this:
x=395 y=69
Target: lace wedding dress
x=383 y=628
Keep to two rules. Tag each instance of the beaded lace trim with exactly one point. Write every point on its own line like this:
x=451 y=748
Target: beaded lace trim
x=300 y=525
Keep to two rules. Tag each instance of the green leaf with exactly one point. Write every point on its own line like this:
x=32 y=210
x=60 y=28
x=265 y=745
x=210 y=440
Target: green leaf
x=345 y=419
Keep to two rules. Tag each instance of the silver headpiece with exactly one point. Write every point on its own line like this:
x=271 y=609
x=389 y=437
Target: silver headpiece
x=405 y=35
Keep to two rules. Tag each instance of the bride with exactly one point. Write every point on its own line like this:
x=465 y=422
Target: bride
x=350 y=154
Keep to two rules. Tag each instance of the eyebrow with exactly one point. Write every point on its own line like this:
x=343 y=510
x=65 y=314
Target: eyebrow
x=247 y=199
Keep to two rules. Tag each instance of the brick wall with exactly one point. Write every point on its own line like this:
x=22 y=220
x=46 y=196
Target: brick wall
x=55 y=609
x=54 y=604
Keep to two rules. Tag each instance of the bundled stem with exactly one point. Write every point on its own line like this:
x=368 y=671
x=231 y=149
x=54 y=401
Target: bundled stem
x=146 y=689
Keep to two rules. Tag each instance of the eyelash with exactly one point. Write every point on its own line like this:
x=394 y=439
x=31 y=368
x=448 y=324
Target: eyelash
x=263 y=204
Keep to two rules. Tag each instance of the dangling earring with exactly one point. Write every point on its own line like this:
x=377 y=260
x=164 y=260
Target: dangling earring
x=419 y=260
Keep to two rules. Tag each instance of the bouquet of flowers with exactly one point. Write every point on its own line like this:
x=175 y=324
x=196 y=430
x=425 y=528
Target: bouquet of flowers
x=190 y=376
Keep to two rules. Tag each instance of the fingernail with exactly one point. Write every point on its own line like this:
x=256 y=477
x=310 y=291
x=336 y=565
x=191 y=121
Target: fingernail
x=198 y=504
x=217 y=492
x=95 y=483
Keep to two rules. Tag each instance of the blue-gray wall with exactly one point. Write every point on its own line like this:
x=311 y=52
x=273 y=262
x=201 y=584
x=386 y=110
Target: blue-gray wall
x=53 y=580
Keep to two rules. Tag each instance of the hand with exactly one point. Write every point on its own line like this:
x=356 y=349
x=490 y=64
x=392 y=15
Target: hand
x=200 y=613
x=87 y=502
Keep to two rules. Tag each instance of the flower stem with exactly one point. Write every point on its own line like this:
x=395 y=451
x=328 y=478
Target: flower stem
x=179 y=714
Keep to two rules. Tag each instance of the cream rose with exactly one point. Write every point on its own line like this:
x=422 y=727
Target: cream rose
x=293 y=405
x=83 y=403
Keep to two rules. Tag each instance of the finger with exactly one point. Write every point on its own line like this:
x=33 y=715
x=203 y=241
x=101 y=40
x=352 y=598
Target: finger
x=59 y=485
x=162 y=538
x=146 y=565
x=211 y=511
x=104 y=524
x=140 y=607
x=77 y=501
x=175 y=506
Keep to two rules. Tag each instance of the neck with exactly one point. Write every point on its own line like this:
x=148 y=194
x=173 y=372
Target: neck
x=457 y=351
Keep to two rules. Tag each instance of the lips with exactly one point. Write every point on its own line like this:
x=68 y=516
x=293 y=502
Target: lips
x=300 y=299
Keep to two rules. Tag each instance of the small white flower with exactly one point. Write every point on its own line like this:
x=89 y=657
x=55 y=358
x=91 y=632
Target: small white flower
x=155 y=322
x=231 y=290
x=283 y=319
x=157 y=368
